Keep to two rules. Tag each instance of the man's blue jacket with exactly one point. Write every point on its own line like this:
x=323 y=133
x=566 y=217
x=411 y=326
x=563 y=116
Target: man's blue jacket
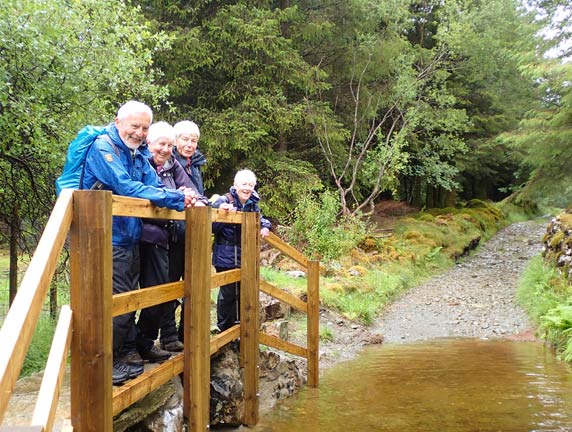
x=127 y=172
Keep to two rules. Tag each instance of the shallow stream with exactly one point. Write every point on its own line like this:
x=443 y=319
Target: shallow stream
x=445 y=385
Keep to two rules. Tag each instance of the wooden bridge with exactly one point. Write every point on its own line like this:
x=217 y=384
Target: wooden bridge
x=84 y=328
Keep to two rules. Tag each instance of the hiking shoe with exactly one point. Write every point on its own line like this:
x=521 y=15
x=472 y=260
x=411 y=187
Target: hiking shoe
x=120 y=373
x=156 y=355
x=132 y=358
x=134 y=370
x=174 y=346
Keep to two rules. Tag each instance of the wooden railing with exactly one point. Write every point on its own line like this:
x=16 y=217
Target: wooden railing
x=87 y=216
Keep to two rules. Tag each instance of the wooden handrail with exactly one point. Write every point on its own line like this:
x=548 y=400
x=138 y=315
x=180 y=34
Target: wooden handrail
x=18 y=328
x=283 y=296
x=275 y=241
x=146 y=297
x=47 y=401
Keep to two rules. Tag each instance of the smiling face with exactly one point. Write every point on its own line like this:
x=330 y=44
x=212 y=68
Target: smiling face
x=133 y=128
x=187 y=144
x=162 y=149
x=244 y=183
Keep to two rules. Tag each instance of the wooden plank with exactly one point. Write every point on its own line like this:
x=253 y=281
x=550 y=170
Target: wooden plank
x=136 y=389
x=289 y=347
x=48 y=396
x=227 y=336
x=226 y=216
x=91 y=303
x=225 y=277
x=20 y=322
x=140 y=299
x=276 y=242
x=283 y=296
x=250 y=265
x=196 y=402
x=137 y=207
x=313 y=335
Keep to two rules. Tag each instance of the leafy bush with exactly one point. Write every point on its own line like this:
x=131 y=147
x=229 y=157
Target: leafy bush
x=317 y=230
x=545 y=294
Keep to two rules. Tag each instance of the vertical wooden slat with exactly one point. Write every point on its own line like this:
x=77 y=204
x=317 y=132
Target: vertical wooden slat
x=91 y=303
x=313 y=322
x=250 y=272
x=197 y=317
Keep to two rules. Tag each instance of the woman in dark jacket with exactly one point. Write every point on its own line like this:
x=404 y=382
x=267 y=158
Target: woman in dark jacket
x=226 y=249
x=154 y=249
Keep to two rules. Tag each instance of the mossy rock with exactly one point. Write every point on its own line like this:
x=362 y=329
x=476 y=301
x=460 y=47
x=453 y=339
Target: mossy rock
x=369 y=244
x=556 y=240
x=566 y=221
x=360 y=270
x=426 y=217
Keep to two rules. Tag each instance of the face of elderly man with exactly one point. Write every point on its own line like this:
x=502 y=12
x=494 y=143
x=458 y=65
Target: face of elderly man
x=133 y=128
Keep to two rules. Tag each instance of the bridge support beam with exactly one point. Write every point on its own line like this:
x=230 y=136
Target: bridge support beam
x=91 y=303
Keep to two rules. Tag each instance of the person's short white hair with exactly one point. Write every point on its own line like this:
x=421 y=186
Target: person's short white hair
x=244 y=175
x=134 y=107
x=160 y=130
x=187 y=127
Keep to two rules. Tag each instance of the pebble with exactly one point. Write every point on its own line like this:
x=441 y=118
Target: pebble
x=475 y=298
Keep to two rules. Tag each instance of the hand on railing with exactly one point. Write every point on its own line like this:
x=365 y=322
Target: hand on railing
x=264 y=232
x=227 y=207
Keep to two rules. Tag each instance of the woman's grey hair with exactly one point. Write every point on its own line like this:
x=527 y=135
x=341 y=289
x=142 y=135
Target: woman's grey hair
x=160 y=130
x=246 y=175
x=187 y=127
x=134 y=107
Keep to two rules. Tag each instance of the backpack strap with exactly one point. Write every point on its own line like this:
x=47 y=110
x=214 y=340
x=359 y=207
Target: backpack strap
x=98 y=185
x=229 y=198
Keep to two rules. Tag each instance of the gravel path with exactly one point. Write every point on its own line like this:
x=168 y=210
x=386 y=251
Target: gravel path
x=474 y=299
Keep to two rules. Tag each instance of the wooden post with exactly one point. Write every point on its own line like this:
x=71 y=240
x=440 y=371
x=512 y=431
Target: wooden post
x=249 y=327
x=313 y=335
x=91 y=303
x=197 y=369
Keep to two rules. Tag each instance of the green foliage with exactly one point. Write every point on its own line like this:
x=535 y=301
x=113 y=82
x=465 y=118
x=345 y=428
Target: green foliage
x=545 y=294
x=326 y=334
x=282 y=182
x=62 y=64
x=37 y=354
x=318 y=231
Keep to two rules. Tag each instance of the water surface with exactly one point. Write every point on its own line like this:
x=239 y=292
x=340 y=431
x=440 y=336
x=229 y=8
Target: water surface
x=454 y=385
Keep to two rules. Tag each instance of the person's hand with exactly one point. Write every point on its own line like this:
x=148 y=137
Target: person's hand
x=264 y=232
x=190 y=197
x=227 y=207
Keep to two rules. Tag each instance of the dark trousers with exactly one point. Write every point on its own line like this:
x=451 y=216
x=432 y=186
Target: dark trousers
x=176 y=272
x=154 y=271
x=126 y=268
x=228 y=303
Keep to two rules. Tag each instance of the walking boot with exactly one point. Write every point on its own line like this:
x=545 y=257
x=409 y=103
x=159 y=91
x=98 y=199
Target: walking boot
x=156 y=355
x=174 y=346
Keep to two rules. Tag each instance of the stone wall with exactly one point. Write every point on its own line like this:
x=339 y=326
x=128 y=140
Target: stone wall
x=557 y=244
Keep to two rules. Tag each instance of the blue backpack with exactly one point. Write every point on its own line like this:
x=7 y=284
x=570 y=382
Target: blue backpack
x=72 y=175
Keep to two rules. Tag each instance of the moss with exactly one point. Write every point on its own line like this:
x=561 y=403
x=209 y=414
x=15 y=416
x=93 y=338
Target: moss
x=360 y=270
x=426 y=217
x=556 y=240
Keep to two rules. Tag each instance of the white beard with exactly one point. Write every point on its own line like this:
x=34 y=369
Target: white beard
x=133 y=146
